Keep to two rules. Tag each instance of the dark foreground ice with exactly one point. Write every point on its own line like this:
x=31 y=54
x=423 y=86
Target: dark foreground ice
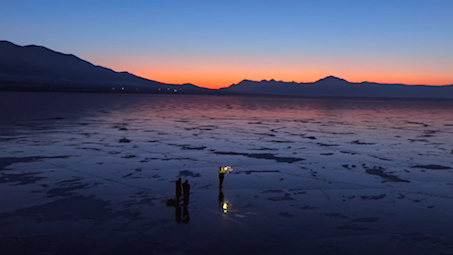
x=91 y=173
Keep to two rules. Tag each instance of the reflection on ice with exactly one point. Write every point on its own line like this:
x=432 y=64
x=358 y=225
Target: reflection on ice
x=308 y=174
x=224 y=204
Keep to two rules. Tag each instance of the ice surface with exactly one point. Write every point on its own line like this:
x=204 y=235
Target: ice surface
x=90 y=174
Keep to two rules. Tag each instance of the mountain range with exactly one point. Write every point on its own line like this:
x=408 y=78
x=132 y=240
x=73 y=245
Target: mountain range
x=332 y=86
x=36 y=68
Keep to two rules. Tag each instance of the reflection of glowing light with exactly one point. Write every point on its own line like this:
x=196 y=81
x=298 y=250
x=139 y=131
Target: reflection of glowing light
x=225 y=207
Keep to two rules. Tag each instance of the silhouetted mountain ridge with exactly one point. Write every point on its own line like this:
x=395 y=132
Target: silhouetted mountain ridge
x=332 y=86
x=37 y=68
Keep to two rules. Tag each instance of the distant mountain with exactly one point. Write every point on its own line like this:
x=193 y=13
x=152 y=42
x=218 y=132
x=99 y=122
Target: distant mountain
x=36 y=68
x=40 y=69
x=332 y=86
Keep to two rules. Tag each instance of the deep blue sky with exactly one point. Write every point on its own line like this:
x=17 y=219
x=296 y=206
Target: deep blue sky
x=216 y=43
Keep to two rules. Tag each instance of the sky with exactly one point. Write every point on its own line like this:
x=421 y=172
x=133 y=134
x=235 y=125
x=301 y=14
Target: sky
x=218 y=43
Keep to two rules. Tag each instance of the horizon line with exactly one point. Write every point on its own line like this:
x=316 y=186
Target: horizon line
x=148 y=77
x=298 y=82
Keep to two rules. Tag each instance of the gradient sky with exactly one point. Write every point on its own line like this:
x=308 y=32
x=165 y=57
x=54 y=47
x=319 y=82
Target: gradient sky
x=218 y=43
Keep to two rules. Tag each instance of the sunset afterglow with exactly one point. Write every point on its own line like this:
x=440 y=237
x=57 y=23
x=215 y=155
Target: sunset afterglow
x=118 y=120
x=217 y=44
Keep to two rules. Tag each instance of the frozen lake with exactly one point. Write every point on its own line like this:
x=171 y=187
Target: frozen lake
x=90 y=174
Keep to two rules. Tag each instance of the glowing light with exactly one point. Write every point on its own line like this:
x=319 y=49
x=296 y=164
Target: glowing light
x=228 y=169
x=225 y=207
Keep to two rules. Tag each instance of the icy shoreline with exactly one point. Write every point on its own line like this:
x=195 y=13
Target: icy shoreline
x=314 y=177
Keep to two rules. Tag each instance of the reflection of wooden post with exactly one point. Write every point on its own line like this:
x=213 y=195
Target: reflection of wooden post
x=185 y=215
x=178 y=213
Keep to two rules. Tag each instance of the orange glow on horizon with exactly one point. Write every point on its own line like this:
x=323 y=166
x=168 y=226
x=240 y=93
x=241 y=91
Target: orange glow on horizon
x=223 y=72
x=219 y=79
